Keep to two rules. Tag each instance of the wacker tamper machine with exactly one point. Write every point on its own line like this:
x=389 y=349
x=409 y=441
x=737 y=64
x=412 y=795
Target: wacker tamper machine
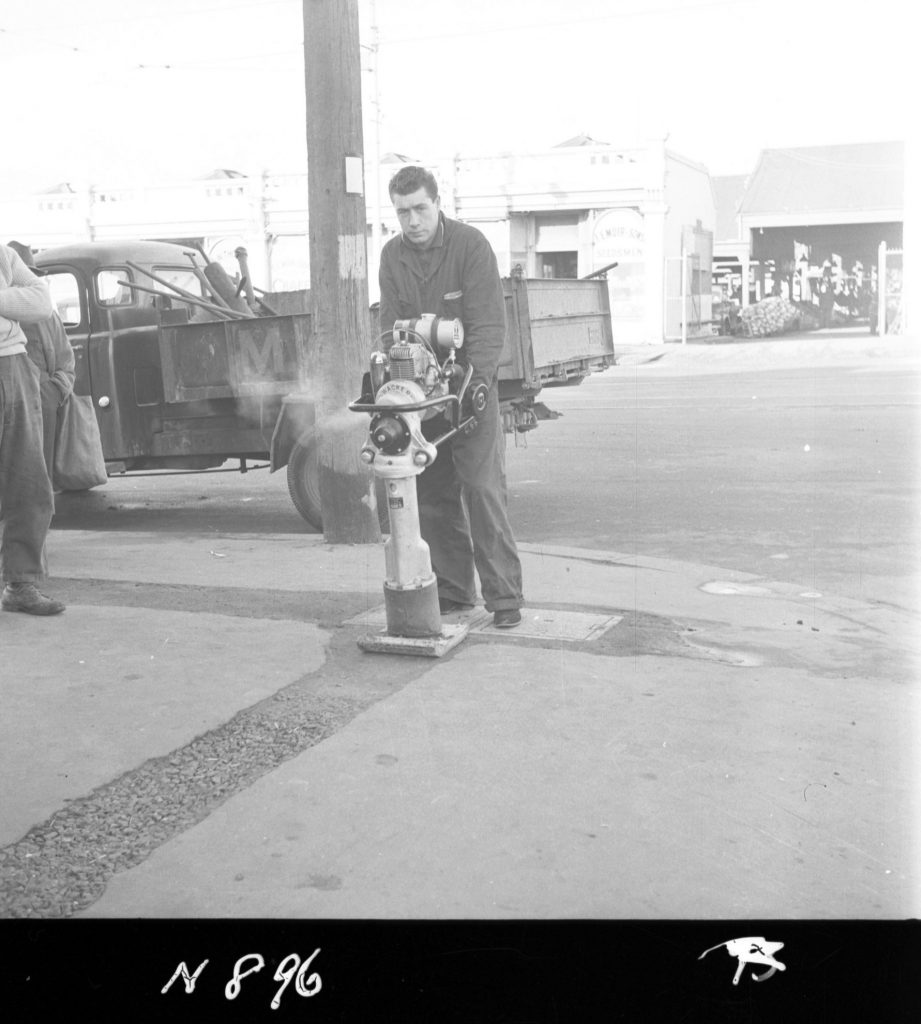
x=418 y=379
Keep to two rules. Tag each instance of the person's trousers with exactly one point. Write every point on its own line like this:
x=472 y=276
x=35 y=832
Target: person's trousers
x=26 y=498
x=464 y=517
x=51 y=404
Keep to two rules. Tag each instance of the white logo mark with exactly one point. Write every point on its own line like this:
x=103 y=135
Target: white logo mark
x=756 y=950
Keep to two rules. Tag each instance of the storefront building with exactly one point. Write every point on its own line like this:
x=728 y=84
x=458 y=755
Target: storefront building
x=807 y=213
x=640 y=215
x=644 y=215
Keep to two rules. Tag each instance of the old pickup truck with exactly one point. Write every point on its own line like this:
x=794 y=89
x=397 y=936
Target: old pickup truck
x=180 y=385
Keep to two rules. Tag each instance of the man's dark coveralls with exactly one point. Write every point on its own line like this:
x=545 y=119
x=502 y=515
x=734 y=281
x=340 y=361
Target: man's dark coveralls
x=462 y=494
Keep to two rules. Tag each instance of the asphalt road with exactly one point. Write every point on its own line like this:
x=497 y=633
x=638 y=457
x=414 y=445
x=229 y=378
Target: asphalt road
x=807 y=476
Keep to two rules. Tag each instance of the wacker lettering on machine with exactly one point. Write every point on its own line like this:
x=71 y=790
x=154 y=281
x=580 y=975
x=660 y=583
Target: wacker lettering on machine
x=418 y=379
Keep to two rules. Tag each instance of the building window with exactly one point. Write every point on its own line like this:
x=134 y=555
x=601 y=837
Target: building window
x=558 y=264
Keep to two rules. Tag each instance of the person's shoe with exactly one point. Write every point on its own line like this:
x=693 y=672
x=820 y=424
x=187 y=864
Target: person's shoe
x=446 y=606
x=26 y=597
x=507 y=618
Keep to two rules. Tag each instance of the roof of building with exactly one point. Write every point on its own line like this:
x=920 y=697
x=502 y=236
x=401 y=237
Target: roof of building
x=397 y=158
x=580 y=140
x=861 y=177
x=727 y=195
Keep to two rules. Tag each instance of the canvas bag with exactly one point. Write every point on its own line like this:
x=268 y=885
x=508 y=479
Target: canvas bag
x=78 y=460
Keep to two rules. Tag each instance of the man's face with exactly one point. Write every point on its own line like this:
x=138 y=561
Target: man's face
x=418 y=216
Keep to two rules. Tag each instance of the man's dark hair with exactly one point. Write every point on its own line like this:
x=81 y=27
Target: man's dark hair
x=410 y=179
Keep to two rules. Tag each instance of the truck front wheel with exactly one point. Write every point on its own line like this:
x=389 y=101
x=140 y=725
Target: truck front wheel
x=304 y=485
x=304 y=481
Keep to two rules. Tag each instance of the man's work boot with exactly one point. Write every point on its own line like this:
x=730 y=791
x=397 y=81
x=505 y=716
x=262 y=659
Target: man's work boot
x=26 y=597
x=507 y=618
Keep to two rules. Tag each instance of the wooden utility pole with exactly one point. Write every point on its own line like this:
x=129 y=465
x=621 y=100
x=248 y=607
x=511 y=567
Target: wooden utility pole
x=341 y=342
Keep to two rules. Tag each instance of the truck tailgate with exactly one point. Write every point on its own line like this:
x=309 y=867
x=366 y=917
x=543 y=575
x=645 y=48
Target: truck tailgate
x=557 y=328
x=569 y=320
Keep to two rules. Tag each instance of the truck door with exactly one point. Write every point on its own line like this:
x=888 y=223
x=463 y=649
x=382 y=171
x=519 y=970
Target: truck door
x=124 y=360
x=114 y=337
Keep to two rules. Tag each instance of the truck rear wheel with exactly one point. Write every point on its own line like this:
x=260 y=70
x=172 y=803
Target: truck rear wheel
x=304 y=485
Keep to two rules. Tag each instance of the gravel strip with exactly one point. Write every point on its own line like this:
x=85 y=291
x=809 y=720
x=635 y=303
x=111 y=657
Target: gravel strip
x=63 y=865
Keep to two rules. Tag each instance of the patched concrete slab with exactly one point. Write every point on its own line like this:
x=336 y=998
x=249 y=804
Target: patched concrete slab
x=550 y=624
x=130 y=684
x=536 y=623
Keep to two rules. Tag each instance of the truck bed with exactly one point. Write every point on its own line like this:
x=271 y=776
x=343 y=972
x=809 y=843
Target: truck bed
x=558 y=330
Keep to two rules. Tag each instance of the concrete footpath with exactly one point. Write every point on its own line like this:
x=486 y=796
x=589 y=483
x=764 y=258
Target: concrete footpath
x=659 y=739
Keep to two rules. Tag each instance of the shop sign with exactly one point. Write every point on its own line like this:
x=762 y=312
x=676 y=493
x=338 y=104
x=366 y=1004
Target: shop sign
x=619 y=236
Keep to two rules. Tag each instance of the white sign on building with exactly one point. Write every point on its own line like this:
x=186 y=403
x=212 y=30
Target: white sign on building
x=619 y=237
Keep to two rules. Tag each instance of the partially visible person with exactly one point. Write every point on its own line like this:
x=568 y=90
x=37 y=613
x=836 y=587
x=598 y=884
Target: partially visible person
x=826 y=299
x=26 y=498
x=49 y=348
